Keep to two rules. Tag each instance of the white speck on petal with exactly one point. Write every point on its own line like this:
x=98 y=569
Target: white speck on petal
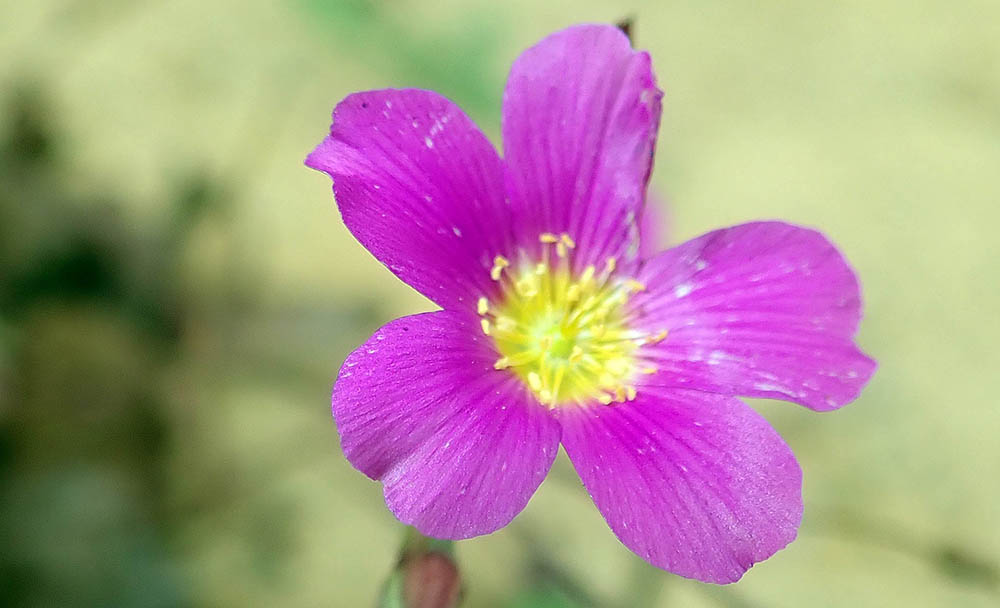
x=428 y=142
x=456 y=230
x=716 y=356
x=768 y=388
x=683 y=289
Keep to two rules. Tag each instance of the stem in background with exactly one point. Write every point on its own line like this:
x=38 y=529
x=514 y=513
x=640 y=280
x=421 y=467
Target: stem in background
x=426 y=575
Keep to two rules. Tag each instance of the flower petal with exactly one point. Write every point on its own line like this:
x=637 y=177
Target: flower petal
x=695 y=483
x=580 y=115
x=421 y=187
x=459 y=446
x=762 y=310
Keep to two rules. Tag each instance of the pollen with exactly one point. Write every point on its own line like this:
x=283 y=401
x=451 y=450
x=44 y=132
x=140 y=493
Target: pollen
x=568 y=336
x=499 y=263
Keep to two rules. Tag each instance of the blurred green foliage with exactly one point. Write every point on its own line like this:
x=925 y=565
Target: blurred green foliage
x=177 y=292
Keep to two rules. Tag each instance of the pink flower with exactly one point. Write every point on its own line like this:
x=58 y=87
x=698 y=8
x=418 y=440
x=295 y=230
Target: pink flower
x=554 y=329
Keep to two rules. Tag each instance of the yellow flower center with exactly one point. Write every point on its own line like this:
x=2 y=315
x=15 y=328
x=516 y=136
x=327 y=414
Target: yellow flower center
x=567 y=337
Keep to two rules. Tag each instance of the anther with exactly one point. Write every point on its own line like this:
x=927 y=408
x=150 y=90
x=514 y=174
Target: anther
x=548 y=237
x=501 y=363
x=527 y=286
x=573 y=293
x=620 y=394
x=506 y=324
x=630 y=392
x=660 y=337
x=485 y=324
x=567 y=241
x=482 y=306
x=499 y=263
x=634 y=285
x=617 y=367
x=611 y=264
x=535 y=381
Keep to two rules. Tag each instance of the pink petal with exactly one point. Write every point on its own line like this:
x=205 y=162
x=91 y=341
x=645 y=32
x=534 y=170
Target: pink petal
x=580 y=115
x=695 y=483
x=459 y=446
x=763 y=310
x=421 y=187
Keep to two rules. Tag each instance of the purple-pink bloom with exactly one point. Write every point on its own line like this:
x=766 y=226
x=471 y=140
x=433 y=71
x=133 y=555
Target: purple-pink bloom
x=555 y=329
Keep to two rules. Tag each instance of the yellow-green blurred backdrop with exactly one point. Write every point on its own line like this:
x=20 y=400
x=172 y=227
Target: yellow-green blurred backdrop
x=177 y=292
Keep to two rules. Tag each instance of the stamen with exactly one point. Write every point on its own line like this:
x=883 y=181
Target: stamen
x=534 y=381
x=634 y=285
x=499 y=263
x=506 y=324
x=523 y=358
x=617 y=367
x=573 y=293
x=566 y=335
x=527 y=286
x=660 y=337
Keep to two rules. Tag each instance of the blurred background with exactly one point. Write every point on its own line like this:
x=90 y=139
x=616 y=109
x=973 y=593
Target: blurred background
x=177 y=292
